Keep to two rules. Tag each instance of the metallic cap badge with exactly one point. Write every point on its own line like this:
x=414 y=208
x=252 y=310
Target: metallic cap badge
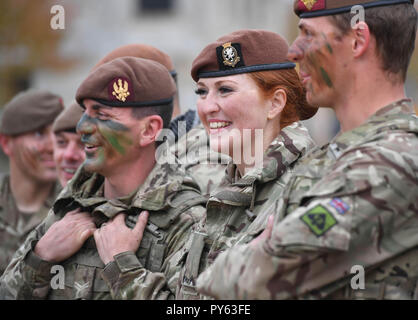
x=309 y=3
x=230 y=55
x=120 y=91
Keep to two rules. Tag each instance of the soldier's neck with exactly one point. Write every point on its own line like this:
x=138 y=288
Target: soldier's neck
x=365 y=97
x=29 y=195
x=128 y=178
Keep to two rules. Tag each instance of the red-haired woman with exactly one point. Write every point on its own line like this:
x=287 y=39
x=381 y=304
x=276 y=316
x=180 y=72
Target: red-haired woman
x=250 y=100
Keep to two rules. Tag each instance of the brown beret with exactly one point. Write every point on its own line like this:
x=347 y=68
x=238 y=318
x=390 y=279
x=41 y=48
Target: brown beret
x=128 y=82
x=241 y=52
x=68 y=119
x=139 y=51
x=317 y=8
x=29 y=111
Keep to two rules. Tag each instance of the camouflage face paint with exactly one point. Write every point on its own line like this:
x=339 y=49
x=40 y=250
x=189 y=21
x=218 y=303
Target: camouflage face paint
x=34 y=158
x=111 y=138
x=326 y=77
x=29 y=157
x=318 y=55
x=327 y=44
x=115 y=136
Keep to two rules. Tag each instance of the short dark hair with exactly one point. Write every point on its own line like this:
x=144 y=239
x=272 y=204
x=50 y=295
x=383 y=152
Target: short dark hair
x=164 y=111
x=394 y=28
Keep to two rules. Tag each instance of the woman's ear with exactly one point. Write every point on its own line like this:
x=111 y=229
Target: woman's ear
x=278 y=102
x=150 y=130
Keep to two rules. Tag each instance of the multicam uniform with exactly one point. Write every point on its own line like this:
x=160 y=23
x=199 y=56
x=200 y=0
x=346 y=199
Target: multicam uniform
x=238 y=210
x=351 y=203
x=16 y=225
x=228 y=217
x=206 y=166
x=172 y=199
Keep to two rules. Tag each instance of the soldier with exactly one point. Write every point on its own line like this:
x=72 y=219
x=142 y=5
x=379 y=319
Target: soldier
x=243 y=88
x=234 y=97
x=68 y=148
x=95 y=229
x=30 y=188
x=145 y=51
x=188 y=138
x=352 y=204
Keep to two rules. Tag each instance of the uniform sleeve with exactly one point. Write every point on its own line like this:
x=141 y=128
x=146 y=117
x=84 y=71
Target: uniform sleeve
x=362 y=212
x=27 y=276
x=128 y=279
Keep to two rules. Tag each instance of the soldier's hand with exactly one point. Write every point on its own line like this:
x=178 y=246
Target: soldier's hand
x=115 y=237
x=65 y=237
x=266 y=233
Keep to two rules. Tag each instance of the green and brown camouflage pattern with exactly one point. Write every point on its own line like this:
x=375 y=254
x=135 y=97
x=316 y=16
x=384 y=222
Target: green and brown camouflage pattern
x=372 y=171
x=206 y=166
x=227 y=208
x=173 y=200
x=237 y=211
x=15 y=225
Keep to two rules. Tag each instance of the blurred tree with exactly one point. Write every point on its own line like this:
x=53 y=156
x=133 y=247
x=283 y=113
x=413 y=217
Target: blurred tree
x=27 y=42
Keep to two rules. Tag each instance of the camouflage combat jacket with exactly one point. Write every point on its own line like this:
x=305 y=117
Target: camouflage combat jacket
x=15 y=225
x=347 y=226
x=237 y=211
x=228 y=216
x=206 y=166
x=172 y=199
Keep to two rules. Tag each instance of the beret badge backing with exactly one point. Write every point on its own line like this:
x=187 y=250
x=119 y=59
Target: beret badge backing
x=230 y=55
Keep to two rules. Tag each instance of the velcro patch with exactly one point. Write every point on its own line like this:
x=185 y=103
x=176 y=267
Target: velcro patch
x=339 y=205
x=319 y=220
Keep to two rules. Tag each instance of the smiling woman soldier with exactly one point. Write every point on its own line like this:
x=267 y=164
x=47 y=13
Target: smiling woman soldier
x=250 y=99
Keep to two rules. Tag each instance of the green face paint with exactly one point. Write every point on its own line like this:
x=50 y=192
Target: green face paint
x=111 y=138
x=92 y=163
x=326 y=77
x=117 y=140
x=327 y=45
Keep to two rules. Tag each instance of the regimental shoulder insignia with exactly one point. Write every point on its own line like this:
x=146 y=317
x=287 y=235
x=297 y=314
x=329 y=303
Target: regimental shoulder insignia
x=319 y=220
x=120 y=89
x=309 y=3
x=230 y=55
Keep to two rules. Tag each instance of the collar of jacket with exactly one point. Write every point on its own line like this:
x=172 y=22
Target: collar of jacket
x=399 y=115
x=86 y=190
x=284 y=151
x=7 y=199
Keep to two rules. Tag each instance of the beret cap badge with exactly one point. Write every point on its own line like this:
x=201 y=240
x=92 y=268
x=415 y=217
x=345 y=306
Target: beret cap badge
x=309 y=3
x=318 y=8
x=230 y=55
x=120 y=91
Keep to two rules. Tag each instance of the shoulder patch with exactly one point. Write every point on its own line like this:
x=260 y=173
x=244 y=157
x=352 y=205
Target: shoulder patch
x=319 y=220
x=339 y=205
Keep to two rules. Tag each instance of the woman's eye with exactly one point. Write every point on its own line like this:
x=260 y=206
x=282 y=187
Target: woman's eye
x=200 y=92
x=225 y=90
